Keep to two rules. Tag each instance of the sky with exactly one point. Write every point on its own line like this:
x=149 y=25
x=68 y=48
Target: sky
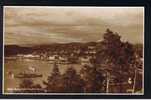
x=45 y=25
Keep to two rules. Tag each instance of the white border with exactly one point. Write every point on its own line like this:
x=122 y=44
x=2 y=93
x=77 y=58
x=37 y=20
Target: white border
x=71 y=93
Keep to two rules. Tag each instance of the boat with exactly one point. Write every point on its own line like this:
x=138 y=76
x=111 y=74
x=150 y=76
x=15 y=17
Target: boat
x=28 y=75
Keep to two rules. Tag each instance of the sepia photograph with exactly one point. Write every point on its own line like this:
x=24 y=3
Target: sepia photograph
x=73 y=50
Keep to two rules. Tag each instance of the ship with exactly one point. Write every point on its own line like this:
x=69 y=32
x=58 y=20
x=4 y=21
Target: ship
x=30 y=73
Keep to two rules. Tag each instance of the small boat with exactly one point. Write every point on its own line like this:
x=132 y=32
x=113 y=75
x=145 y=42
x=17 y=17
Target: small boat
x=28 y=75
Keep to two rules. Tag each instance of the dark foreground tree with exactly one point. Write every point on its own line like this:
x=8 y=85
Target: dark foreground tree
x=72 y=81
x=54 y=81
x=93 y=79
x=28 y=86
x=117 y=56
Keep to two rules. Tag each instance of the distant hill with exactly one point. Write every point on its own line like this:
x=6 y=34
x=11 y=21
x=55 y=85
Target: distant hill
x=10 y=50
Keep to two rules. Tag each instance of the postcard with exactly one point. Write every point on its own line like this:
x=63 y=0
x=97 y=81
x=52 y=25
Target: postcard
x=73 y=50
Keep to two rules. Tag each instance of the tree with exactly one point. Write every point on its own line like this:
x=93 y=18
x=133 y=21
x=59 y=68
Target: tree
x=116 y=55
x=54 y=81
x=72 y=81
x=28 y=86
x=93 y=78
x=26 y=83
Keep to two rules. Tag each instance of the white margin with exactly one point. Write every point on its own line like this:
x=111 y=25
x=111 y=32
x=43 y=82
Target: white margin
x=72 y=93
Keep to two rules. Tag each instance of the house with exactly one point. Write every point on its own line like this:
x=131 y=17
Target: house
x=53 y=57
x=31 y=56
x=28 y=56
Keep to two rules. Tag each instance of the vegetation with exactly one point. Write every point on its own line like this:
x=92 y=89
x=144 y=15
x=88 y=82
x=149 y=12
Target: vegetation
x=27 y=86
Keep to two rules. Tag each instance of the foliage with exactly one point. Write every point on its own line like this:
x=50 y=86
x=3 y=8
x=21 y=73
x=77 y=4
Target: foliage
x=93 y=79
x=117 y=56
x=72 y=81
x=28 y=86
x=54 y=81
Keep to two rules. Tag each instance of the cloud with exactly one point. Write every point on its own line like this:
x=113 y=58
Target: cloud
x=34 y=25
